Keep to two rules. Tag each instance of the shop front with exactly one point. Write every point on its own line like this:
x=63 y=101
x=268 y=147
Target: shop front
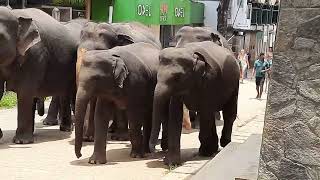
x=165 y=17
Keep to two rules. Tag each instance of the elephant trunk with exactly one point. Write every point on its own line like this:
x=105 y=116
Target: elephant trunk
x=81 y=106
x=159 y=114
x=1 y=88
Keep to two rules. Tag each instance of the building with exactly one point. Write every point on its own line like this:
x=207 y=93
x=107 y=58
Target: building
x=165 y=17
x=211 y=13
x=253 y=25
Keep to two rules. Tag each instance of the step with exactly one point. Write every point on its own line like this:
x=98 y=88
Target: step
x=236 y=161
x=191 y=168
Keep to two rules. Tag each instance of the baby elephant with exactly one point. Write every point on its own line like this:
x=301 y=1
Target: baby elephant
x=123 y=77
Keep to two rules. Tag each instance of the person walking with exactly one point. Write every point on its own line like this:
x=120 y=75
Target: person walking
x=243 y=58
x=268 y=75
x=259 y=72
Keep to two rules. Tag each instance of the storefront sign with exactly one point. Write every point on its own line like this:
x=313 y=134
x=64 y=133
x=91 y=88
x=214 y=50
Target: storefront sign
x=179 y=12
x=144 y=10
x=163 y=12
x=159 y=12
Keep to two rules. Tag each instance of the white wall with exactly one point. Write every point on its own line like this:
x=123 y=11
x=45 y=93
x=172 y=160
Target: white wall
x=239 y=15
x=211 y=14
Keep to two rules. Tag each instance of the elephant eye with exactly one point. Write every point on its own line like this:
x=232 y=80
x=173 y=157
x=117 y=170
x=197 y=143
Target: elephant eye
x=177 y=76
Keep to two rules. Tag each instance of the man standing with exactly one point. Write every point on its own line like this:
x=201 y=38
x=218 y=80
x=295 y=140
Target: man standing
x=259 y=71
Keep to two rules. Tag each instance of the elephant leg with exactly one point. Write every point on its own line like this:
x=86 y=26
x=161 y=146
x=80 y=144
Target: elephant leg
x=136 y=115
x=229 y=116
x=40 y=106
x=34 y=107
x=103 y=113
x=218 y=115
x=54 y=107
x=174 y=131
x=193 y=119
x=1 y=134
x=24 y=132
x=208 y=134
x=147 y=125
x=164 y=135
x=89 y=129
x=121 y=131
x=113 y=126
x=65 y=114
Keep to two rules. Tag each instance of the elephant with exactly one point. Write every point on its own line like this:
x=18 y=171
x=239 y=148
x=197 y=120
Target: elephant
x=205 y=77
x=126 y=33
x=74 y=27
x=37 y=60
x=189 y=34
x=123 y=77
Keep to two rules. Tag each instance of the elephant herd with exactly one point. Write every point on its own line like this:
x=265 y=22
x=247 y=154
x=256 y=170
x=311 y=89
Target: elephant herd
x=117 y=72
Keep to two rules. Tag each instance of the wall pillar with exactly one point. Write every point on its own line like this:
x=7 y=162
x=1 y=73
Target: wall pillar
x=291 y=137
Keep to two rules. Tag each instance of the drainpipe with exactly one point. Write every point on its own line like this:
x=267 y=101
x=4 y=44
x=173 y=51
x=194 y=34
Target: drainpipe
x=88 y=9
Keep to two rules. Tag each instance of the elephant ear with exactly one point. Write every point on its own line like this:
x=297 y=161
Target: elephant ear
x=28 y=35
x=199 y=64
x=120 y=71
x=216 y=39
x=124 y=39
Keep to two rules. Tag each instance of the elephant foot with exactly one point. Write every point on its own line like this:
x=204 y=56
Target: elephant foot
x=172 y=160
x=49 y=121
x=224 y=142
x=66 y=128
x=208 y=150
x=23 y=139
x=88 y=138
x=1 y=134
x=135 y=154
x=98 y=158
x=120 y=136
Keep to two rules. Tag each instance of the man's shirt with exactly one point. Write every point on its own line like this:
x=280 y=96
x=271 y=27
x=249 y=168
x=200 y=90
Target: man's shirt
x=259 y=66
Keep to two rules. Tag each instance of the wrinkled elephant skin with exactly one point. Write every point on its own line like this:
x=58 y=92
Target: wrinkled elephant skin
x=205 y=77
x=45 y=52
x=125 y=79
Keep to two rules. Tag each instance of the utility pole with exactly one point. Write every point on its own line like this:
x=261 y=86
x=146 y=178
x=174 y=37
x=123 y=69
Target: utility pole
x=223 y=16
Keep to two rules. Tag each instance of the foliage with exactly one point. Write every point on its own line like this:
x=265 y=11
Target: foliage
x=9 y=100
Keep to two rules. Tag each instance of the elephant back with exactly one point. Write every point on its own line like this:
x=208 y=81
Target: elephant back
x=137 y=32
x=213 y=54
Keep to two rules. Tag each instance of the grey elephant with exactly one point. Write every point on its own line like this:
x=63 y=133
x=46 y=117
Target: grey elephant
x=205 y=77
x=74 y=28
x=37 y=60
x=122 y=34
x=189 y=34
x=123 y=77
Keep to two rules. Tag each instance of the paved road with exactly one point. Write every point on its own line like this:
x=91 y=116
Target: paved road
x=52 y=155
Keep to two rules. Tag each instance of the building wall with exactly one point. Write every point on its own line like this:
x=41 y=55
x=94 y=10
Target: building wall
x=211 y=14
x=240 y=15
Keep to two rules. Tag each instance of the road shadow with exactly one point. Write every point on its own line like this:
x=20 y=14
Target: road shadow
x=40 y=136
x=188 y=154
x=85 y=163
x=109 y=141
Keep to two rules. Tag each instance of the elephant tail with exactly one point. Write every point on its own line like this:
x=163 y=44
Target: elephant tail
x=82 y=101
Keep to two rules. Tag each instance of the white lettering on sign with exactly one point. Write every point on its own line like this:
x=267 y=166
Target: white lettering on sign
x=179 y=12
x=144 y=10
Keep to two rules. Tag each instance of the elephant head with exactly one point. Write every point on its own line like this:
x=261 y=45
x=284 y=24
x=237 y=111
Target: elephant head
x=179 y=71
x=100 y=36
x=18 y=33
x=99 y=67
x=189 y=34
